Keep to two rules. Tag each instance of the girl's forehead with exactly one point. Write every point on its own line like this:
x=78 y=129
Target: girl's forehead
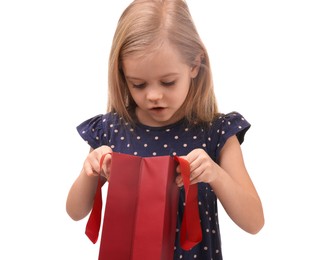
x=163 y=53
x=163 y=60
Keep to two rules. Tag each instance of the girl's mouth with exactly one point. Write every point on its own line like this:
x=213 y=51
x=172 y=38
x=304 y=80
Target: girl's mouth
x=157 y=109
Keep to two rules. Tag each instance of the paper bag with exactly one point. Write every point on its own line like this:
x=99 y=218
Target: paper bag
x=141 y=209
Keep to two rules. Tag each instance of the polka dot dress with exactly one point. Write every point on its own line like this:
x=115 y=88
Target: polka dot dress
x=176 y=139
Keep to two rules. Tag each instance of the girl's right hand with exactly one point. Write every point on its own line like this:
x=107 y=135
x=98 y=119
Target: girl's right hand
x=91 y=165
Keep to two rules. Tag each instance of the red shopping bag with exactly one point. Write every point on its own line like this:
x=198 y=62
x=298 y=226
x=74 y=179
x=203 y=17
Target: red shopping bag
x=141 y=209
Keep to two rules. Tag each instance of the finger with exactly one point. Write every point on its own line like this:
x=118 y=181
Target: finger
x=179 y=181
x=195 y=164
x=196 y=175
x=87 y=168
x=105 y=169
x=197 y=178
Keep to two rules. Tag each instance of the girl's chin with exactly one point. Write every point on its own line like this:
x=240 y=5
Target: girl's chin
x=156 y=117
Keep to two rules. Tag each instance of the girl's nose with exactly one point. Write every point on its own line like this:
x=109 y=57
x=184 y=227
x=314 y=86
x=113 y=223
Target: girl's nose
x=154 y=95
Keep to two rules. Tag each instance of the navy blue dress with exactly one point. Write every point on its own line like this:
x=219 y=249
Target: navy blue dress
x=176 y=139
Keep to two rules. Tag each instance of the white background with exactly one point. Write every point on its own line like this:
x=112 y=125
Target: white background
x=266 y=61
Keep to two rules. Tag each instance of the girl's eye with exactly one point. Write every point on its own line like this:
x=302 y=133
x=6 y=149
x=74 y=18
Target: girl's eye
x=167 y=84
x=139 y=85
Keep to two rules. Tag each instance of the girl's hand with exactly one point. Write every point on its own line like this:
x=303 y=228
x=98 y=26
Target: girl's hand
x=91 y=165
x=202 y=168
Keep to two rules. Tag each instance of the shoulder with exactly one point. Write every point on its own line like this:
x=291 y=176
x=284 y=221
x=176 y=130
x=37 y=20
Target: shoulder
x=226 y=125
x=95 y=129
x=232 y=123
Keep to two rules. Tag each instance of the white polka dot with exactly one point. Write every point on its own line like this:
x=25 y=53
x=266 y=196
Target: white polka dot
x=210 y=139
x=116 y=130
x=195 y=256
x=135 y=153
x=122 y=138
x=176 y=137
x=154 y=153
x=204 y=145
x=174 y=153
x=223 y=132
x=205 y=247
x=93 y=129
x=207 y=230
x=199 y=203
x=168 y=130
x=111 y=125
x=104 y=120
x=185 y=145
x=112 y=146
x=97 y=138
x=217 y=251
x=218 y=145
x=180 y=256
x=156 y=137
x=240 y=127
x=194 y=137
x=138 y=137
x=228 y=122
x=186 y=129
x=165 y=145
x=132 y=130
x=213 y=231
x=83 y=132
x=128 y=145
x=145 y=145
x=105 y=135
x=147 y=130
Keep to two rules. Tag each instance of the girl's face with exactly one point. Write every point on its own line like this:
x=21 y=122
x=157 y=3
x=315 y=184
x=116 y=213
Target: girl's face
x=158 y=83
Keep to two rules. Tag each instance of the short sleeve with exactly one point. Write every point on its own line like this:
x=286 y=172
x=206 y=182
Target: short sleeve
x=92 y=131
x=228 y=125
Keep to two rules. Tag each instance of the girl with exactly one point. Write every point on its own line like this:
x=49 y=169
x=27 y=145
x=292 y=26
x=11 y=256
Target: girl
x=161 y=102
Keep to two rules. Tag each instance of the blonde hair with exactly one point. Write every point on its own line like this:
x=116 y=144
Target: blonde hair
x=145 y=23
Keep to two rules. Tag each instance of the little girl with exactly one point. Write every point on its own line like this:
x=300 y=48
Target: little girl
x=161 y=102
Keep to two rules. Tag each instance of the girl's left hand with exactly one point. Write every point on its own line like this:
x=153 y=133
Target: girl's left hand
x=202 y=168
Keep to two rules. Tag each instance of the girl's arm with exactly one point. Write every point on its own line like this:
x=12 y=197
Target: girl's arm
x=82 y=192
x=235 y=190
x=231 y=183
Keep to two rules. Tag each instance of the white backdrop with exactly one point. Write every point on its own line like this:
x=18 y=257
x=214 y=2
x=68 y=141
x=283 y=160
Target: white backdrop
x=266 y=60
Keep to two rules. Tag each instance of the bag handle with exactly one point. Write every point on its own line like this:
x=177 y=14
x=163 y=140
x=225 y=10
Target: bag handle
x=94 y=221
x=191 y=232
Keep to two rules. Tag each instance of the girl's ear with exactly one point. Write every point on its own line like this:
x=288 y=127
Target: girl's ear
x=196 y=67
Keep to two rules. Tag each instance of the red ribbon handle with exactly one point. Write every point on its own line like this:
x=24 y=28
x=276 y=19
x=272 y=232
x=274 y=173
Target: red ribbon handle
x=94 y=221
x=191 y=231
